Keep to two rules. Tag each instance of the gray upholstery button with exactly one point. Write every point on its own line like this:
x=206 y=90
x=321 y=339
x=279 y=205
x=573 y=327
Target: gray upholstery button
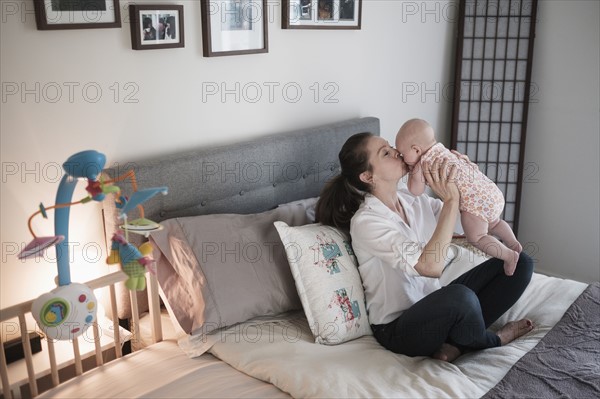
x=162 y=214
x=203 y=203
x=332 y=168
x=274 y=184
x=304 y=176
x=242 y=192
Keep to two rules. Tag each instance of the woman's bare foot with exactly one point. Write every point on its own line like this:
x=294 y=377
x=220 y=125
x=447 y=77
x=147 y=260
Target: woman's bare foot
x=447 y=353
x=513 y=330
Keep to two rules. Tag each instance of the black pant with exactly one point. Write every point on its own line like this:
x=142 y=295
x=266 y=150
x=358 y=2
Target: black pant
x=459 y=313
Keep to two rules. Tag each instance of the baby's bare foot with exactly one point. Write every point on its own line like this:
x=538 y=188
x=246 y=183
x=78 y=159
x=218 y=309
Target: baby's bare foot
x=511 y=264
x=513 y=330
x=447 y=353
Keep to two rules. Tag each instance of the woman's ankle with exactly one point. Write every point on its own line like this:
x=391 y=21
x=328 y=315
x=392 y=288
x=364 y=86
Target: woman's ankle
x=447 y=353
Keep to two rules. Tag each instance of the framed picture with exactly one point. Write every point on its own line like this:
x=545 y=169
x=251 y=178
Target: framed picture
x=321 y=14
x=156 y=26
x=77 y=14
x=234 y=27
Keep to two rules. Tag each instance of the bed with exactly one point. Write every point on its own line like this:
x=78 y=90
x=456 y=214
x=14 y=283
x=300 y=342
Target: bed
x=237 y=313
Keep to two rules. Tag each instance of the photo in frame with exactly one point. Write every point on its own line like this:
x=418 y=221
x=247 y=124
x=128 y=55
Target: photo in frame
x=321 y=14
x=77 y=14
x=156 y=26
x=234 y=27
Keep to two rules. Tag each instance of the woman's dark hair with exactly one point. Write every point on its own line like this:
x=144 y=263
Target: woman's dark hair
x=343 y=194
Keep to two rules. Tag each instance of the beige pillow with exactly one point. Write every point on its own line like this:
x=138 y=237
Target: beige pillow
x=219 y=270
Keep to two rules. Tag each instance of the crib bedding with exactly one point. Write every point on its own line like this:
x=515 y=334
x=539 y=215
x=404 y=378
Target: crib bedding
x=281 y=350
x=163 y=371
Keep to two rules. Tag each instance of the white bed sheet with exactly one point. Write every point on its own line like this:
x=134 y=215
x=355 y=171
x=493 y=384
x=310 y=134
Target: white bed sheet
x=162 y=370
x=281 y=350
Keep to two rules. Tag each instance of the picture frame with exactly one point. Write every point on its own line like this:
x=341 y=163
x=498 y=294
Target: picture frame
x=156 y=26
x=77 y=14
x=234 y=27
x=321 y=14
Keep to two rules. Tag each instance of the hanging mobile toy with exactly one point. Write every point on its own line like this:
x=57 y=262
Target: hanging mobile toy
x=134 y=261
x=68 y=310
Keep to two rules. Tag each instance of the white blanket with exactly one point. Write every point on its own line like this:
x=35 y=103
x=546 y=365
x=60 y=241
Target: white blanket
x=281 y=350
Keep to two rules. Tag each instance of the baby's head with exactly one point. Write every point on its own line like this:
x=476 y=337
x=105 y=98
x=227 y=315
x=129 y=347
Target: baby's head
x=414 y=138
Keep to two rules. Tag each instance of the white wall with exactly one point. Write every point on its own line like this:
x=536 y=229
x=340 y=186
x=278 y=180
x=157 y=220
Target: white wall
x=395 y=68
x=560 y=204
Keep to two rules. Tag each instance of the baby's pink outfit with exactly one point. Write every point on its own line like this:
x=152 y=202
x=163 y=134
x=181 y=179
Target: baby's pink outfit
x=478 y=194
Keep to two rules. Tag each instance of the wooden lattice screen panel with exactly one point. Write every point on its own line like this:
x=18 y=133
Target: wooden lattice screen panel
x=493 y=83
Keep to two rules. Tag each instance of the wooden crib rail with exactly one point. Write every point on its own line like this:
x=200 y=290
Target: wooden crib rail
x=20 y=310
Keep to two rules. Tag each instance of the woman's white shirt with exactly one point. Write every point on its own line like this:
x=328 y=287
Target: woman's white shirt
x=387 y=249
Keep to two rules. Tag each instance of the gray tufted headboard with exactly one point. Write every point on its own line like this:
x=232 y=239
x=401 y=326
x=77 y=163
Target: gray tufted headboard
x=248 y=177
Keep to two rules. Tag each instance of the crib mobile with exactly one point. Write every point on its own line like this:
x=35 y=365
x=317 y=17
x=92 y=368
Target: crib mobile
x=68 y=310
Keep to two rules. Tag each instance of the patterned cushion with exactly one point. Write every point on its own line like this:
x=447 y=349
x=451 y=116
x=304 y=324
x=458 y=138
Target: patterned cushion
x=326 y=275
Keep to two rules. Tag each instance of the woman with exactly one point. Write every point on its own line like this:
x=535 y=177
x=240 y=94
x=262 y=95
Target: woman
x=400 y=241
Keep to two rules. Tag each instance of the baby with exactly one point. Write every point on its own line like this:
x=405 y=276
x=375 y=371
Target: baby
x=481 y=201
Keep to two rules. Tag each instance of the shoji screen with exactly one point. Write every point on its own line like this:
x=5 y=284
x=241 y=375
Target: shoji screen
x=493 y=73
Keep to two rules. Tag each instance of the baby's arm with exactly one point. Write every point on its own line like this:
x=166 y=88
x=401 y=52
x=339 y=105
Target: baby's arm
x=416 y=180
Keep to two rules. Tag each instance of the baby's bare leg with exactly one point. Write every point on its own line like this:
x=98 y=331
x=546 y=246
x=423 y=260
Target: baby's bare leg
x=476 y=230
x=502 y=230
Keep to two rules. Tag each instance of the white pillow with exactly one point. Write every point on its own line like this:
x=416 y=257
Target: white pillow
x=326 y=275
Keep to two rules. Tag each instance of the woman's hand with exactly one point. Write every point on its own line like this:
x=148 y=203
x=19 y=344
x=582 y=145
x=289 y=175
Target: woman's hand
x=442 y=179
